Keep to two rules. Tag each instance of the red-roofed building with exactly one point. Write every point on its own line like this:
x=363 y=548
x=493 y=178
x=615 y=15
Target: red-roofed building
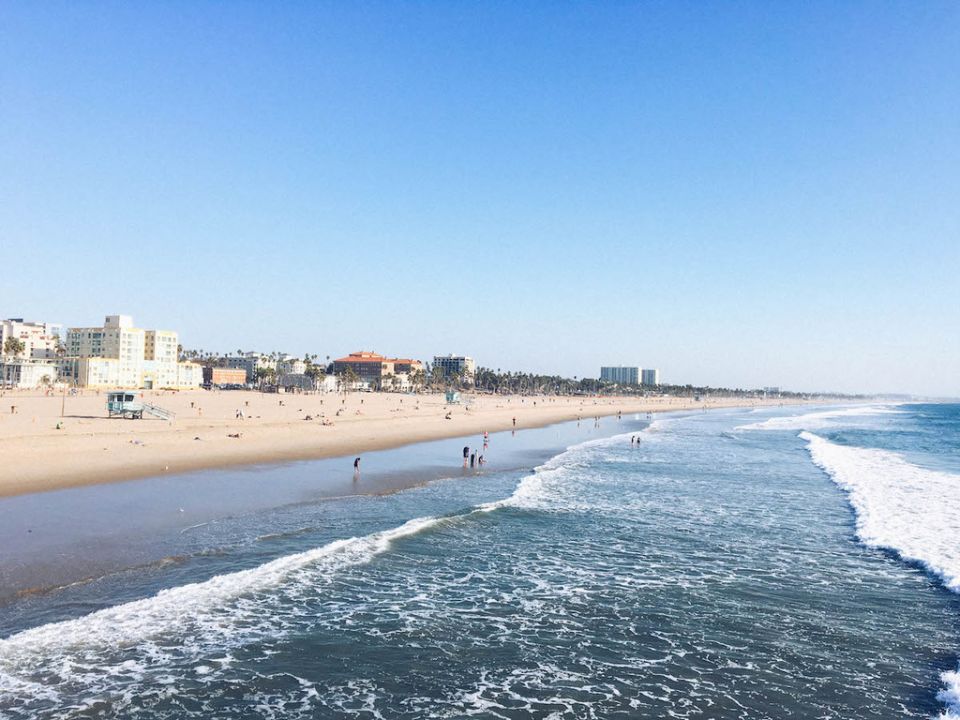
x=371 y=367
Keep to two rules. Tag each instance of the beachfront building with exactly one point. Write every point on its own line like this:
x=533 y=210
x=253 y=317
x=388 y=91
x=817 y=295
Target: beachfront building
x=296 y=382
x=620 y=374
x=224 y=376
x=39 y=339
x=650 y=377
x=453 y=366
x=290 y=365
x=189 y=375
x=376 y=370
x=27 y=373
x=121 y=355
x=250 y=362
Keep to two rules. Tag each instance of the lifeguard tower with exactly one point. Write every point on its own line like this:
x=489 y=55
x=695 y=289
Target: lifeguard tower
x=124 y=403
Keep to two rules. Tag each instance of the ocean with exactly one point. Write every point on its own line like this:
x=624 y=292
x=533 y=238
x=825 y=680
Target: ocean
x=771 y=563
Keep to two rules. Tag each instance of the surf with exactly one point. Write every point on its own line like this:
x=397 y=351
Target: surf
x=820 y=419
x=903 y=508
x=189 y=621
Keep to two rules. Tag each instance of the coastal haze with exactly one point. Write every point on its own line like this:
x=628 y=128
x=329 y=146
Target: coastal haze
x=508 y=361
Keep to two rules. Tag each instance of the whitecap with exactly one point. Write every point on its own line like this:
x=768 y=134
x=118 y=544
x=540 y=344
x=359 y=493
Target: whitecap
x=820 y=419
x=901 y=507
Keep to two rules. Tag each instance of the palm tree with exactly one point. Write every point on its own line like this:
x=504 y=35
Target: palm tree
x=348 y=378
x=13 y=346
x=264 y=374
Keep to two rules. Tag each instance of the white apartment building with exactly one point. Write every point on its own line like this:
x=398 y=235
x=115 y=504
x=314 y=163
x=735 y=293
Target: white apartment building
x=27 y=373
x=39 y=338
x=290 y=365
x=121 y=355
x=189 y=375
x=116 y=340
x=453 y=365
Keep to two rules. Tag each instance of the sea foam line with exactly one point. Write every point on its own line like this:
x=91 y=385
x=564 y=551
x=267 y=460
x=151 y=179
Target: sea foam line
x=910 y=510
x=132 y=622
x=816 y=420
x=187 y=605
x=117 y=646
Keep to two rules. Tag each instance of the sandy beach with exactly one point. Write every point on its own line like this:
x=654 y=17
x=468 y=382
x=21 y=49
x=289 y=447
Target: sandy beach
x=89 y=447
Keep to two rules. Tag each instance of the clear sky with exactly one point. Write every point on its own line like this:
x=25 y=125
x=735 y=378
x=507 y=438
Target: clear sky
x=737 y=193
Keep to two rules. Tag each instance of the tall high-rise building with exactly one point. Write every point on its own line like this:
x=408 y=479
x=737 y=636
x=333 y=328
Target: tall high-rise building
x=620 y=374
x=650 y=377
x=454 y=365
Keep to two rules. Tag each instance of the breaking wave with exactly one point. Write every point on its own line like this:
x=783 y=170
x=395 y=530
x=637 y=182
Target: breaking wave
x=817 y=420
x=118 y=646
x=904 y=508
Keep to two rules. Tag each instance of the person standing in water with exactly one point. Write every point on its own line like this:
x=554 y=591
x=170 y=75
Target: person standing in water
x=356 y=468
x=466 y=454
x=473 y=459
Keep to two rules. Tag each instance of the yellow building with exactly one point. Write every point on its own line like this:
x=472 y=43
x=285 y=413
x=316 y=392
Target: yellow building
x=120 y=355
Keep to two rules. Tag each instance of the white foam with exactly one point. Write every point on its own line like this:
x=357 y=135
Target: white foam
x=545 y=486
x=207 y=612
x=817 y=420
x=913 y=511
x=225 y=611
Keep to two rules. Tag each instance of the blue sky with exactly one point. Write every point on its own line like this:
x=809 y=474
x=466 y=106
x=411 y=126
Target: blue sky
x=738 y=193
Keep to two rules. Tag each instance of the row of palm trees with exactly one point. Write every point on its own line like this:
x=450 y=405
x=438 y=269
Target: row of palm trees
x=433 y=378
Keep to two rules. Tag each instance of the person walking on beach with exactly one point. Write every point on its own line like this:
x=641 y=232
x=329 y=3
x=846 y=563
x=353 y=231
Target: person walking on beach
x=466 y=454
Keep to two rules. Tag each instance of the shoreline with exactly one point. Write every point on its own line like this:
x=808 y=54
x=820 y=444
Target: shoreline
x=91 y=449
x=87 y=533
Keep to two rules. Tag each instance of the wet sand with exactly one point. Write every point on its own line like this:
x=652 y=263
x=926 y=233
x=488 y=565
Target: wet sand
x=52 y=539
x=90 y=448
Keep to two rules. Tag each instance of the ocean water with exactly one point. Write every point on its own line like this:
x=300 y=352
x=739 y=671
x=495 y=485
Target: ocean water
x=783 y=563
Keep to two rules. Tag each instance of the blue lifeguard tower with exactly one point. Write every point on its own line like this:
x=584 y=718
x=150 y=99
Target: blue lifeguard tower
x=124 y=403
